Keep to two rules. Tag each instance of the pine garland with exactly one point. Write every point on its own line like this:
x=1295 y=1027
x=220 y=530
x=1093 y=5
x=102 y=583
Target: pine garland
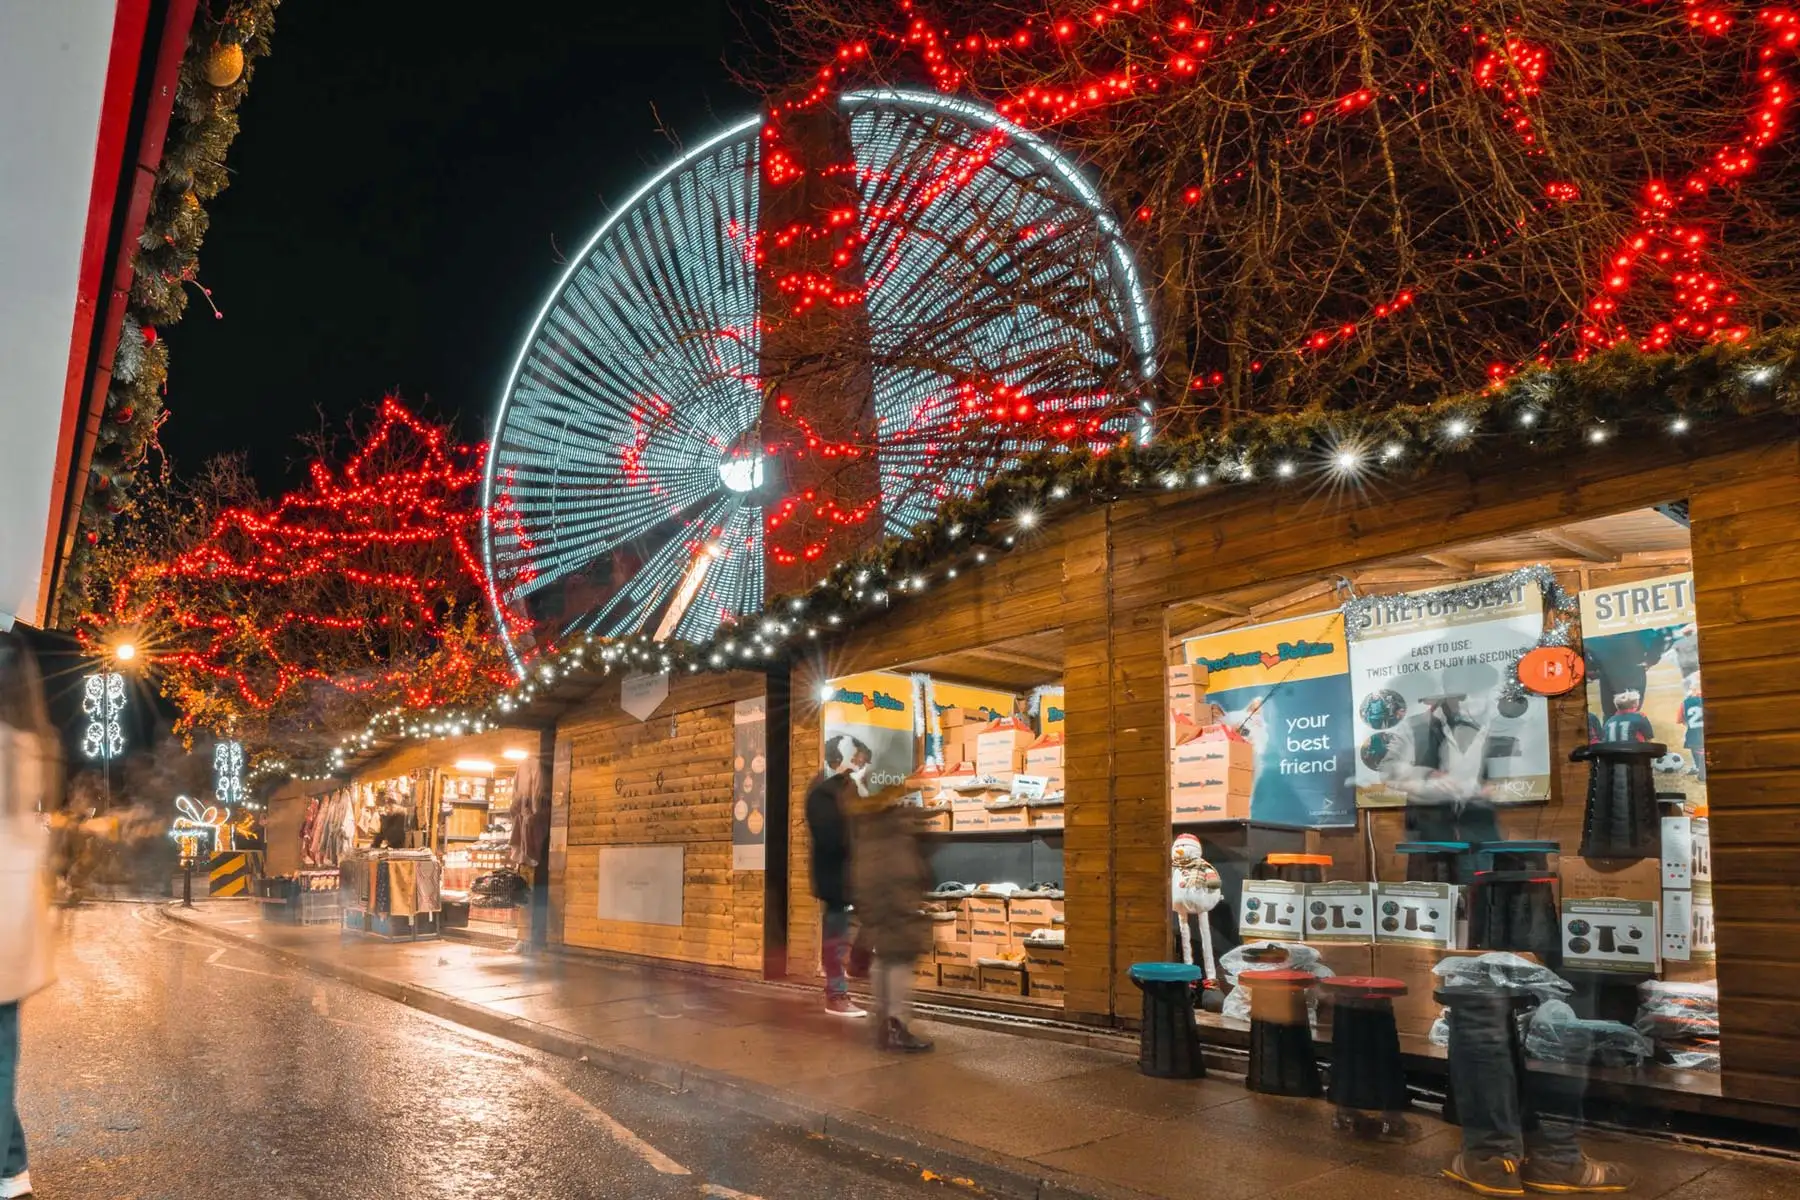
x=1619 y=393
x=164 y=264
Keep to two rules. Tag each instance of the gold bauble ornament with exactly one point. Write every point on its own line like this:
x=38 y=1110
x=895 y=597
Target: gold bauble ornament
x=224 y=64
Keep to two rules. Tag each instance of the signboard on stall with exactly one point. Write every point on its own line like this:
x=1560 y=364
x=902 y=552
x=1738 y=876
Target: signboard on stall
x=640 y=884
x=1643 y=671
x=1285 y=687
x=868 y=728
x=641 y=695
x=1438 y=714
x=749 y=785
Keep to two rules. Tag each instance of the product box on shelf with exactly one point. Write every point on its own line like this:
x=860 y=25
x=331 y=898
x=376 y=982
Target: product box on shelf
x=1003 y=980
x=990 y=936
x=1611 y=935
x=1047 y=817
x=950 y=717
x=1419 y=914
x=1705 y=944
x=965 y=817
x=1044 y=756
x=960 y=954
x=1611 y=878
x=1046 y=956
x=959 y=977
x=1187 y=691
x=1678 y=851
x=1346 y=958
x=1273 y=909
x=925 y=973
x=1033 y=910
x=1677 y=924
x=1045 y=983
x=936 y=820
x=1009 y=818
x=944 y=931
x=993 y=907
x=1340 y=912
x=1210 y=779
x=997 y=748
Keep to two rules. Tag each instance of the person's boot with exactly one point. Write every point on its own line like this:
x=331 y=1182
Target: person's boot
x=899 y=1037
x=1584 y=1176
x=16 y=1187
x=1495 y=1176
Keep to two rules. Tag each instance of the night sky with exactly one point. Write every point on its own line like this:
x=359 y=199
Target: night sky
x=402 y=190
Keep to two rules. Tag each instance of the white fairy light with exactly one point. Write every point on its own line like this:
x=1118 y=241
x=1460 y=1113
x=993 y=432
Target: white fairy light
x=1347 y=460
x=1284 y=469
x=1392 y=451
x=1528 y=418
x=1026 y=518
x=1597 y=434
x=1678 y=425
x=1456 y=428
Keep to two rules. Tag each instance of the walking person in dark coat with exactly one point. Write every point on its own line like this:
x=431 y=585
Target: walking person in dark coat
x=828 y=821
x=889 y=879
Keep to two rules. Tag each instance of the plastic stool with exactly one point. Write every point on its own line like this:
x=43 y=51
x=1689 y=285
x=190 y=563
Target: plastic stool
x=1472 y=1008
x=1621 y=819
x=1169 y=1043
x=1515 y=910
x=1366 y=1074
x=1435 y=862
x=1515 y=856
x=1281 y=1052
x=1294 y=868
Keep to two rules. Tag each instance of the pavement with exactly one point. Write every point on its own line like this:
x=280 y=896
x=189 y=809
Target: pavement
x=166 y=1065
x=1005 y=1114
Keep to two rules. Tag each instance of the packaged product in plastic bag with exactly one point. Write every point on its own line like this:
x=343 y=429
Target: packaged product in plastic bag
x=1299 y=958
x=1556 y=1034
x=1672 y=1012
x=1501 y=969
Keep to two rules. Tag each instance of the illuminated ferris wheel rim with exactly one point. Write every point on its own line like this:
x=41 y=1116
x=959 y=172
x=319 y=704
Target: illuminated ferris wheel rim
x=1060 y=167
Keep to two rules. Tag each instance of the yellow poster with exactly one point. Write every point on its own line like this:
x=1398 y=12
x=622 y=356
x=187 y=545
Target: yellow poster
x=1050 y=711
x=868 y=731
x=980 y=705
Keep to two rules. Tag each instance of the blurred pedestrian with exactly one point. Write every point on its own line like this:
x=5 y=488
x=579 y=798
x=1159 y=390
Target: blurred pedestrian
x=828 y=821
x=889 y=879
x=30 y=775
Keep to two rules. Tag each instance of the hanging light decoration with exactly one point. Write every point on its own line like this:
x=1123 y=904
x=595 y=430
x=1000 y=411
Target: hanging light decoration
x=103 y=702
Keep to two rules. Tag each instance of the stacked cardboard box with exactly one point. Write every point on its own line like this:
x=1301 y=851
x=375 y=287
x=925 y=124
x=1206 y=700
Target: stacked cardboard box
x=1211 y=776
x=999 y=747
x=1611 y=915
x=1043 y=759
x=1046 y=970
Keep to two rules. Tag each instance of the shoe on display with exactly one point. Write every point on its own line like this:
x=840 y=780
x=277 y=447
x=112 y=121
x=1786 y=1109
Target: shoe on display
x=1496 y=1176
x=16 y=1187
x=1584 y=1177
x=843 y=1006
x=899 y=1037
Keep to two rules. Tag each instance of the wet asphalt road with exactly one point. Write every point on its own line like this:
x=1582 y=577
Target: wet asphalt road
x=162 y=1065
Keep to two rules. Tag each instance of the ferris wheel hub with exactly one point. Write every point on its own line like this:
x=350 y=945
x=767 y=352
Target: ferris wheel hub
x=741 y=472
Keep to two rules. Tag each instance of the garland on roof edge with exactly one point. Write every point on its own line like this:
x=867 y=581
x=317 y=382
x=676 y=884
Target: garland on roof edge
x=215 y=74
x=1620 y=393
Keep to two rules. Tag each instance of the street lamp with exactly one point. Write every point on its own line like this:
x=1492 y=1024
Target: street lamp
x=125 y=651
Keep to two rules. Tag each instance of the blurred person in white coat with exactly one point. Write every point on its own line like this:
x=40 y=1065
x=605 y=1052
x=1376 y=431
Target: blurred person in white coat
x=30 y=774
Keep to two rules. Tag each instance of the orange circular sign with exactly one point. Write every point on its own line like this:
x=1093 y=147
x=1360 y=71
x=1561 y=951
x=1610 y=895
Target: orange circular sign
x=1551 y=670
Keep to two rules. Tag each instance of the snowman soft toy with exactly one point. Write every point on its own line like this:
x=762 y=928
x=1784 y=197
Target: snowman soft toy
x=1194 y=888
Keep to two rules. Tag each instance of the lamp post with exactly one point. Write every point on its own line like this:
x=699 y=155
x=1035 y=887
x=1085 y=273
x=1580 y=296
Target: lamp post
x=103 y=703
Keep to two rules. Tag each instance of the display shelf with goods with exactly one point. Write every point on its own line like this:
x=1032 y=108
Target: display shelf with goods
x=973 y=742
x=1407 y=747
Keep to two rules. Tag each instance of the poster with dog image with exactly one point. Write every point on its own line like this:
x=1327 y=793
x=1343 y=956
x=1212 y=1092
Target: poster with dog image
x=868 y=725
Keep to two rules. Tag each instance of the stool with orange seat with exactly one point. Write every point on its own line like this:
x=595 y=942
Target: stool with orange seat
x=1281 y=1053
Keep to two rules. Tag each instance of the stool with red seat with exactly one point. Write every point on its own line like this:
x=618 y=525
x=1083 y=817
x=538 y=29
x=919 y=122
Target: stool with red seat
x=1281 y=1053
x=1366 y=1072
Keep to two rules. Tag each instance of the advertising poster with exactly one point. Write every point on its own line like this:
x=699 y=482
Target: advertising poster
x=1434 y=720
x=868 y=726
x=749 y=785
x=1643 y=675
x=1050 y=711
x=1285 y=687
x=980 y=705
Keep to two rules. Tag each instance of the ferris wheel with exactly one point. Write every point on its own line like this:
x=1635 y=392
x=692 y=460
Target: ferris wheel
x=627 y=488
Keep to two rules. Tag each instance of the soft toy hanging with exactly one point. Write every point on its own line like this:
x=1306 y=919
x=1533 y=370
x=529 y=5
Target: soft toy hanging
x=1194 y=887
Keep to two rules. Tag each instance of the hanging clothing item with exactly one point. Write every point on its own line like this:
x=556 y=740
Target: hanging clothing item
x=530 y=814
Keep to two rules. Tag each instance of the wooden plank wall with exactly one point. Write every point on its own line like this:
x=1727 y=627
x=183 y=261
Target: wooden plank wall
x=1107 y=576
x=1747 y=587
x=656 y=782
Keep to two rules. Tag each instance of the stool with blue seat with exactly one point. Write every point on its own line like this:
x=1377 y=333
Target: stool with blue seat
x=1281 y=1051
x=1169 y=1043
